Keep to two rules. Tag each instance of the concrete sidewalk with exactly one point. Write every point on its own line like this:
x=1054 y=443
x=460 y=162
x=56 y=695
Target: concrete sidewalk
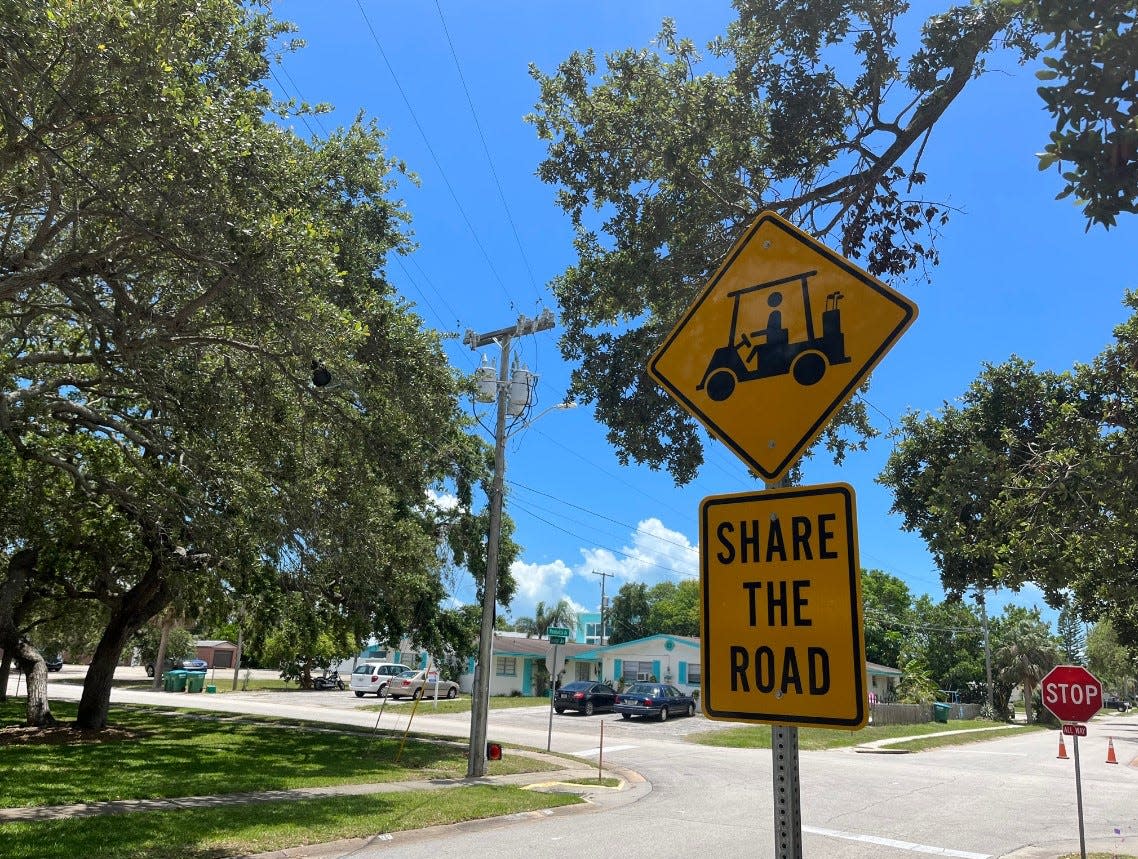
x=882 y=747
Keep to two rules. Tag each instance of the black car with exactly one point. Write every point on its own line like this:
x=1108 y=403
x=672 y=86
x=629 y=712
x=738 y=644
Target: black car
x=1113 y=702
x=584 y=697
x=654 y=699
x=55 y=663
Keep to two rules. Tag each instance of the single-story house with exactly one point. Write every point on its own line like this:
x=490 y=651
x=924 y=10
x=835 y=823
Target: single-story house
x=881 y=682
x=216 y=653
x=665 y=658
x=516 y=661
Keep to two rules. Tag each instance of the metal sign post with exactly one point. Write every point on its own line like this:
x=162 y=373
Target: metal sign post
x=1079 y=799
x=787 y=792
x=552 y=695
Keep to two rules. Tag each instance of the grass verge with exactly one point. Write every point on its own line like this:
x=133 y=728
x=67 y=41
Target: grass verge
x=238 y=830
x=155 y=754
x=759 y=736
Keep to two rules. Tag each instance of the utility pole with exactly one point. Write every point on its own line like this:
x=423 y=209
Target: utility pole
x=480 y=701
x=981 y=598
x=603 y=576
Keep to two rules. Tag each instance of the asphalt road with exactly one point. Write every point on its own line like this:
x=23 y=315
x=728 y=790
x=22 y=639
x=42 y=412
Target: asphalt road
x=996 y=798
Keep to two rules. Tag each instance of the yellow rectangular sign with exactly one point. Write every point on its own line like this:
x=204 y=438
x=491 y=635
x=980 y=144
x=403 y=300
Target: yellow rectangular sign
x=782 y=638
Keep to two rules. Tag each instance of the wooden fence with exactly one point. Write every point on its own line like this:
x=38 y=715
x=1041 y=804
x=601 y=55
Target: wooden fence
x=917 y=714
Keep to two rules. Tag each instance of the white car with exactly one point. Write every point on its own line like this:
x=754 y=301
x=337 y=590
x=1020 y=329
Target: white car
x=373 y=677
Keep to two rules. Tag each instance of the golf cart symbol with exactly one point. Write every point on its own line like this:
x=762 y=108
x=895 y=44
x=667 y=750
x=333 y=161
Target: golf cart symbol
x=768 y=352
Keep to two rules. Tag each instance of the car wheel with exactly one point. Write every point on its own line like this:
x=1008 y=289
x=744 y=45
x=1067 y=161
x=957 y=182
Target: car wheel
x=559 y=710
x=452 y=692
x=663 y=714
x=359 y=694
x=417 y=694
x=626 y=715
x=588 y=708
x=691 y=709
x=149 y=670
x=381 y=692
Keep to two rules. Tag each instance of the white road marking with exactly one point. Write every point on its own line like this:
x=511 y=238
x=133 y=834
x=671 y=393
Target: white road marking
x=893 y=842
x=585 y=753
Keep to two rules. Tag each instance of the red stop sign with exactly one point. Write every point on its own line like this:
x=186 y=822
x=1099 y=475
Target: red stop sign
x=1071 y=692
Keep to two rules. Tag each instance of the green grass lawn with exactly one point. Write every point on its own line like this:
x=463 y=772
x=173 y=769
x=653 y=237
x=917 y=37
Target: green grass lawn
x=759 y=736
x=163 y=754
x=238 y=830
x=155 y=753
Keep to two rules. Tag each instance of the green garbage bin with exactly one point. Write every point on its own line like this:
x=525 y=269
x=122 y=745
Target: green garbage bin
x=195 y=681
x=175 y=680
x=940 y=712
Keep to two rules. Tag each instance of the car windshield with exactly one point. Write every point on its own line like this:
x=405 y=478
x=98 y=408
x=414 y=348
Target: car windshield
x=362 y=669
x=643 y=689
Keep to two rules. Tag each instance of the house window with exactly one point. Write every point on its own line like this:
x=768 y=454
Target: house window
x=593 y=632
x=507 y=666
x=693 y=673
x=634 y=671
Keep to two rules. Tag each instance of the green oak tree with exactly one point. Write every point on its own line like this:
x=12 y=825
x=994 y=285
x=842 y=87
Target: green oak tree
x=197 y=337
x=821 y=112
x=674 y=608
x=887 y=605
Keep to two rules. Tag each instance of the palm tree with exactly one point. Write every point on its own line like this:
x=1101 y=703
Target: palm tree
x=561 y=614
x=1028 y=652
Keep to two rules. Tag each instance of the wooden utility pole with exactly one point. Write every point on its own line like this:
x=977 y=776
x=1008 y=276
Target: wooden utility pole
x=480 y=698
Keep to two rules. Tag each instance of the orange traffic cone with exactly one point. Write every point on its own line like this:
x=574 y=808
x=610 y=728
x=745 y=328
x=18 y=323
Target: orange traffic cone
x=1110 y=758
x=1062 y=749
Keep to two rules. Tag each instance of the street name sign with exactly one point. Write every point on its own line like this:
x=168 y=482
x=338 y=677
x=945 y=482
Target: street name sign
x=557 y=634
x=781 y=627
x=1071 y=692
x=780 y=338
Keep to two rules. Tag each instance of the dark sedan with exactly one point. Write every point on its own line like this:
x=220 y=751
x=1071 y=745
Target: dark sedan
x=654 y=699
x=584 y=697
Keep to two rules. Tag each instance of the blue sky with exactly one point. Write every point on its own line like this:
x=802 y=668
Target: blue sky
x=1018 y=274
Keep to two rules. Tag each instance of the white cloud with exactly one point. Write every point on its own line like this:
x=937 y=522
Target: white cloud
x=538 y=583
x=654 y=553
x=442 y=500
x=657 y=553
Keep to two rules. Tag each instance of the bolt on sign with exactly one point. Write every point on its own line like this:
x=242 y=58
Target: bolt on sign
x=780 y=338
x=781 y=632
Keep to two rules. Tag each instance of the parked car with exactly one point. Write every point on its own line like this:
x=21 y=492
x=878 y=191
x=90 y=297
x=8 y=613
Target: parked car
x=180 y=665
x=414 y=684
x=1113 y=702
x=373 y=677
x=55 y=663
x=654 y=699
x=584 y=697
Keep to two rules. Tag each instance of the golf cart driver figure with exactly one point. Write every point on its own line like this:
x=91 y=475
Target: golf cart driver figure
x=806 y=360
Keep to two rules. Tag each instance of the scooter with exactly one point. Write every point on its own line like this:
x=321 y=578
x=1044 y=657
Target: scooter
x=328 y=681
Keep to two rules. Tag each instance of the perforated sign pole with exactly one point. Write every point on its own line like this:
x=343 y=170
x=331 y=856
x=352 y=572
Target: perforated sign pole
x=785 y=782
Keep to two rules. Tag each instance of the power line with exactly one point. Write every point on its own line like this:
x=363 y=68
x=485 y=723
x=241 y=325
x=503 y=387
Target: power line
x=646 y=563
x=632 y=528
x=486 y=151
x=435 y=158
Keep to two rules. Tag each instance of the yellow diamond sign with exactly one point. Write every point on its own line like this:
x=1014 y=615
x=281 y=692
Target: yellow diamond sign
x=780 y=338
